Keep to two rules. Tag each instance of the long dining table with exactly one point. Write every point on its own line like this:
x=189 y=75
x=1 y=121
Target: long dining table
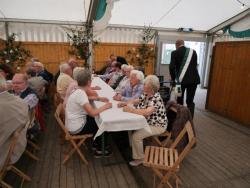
x=115 y=119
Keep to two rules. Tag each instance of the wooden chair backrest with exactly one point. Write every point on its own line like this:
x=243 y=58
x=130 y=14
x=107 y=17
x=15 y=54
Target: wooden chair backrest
x=59 y=120
x=13 y=142
x=32 y=117
x=191 y=141
x=57 y=99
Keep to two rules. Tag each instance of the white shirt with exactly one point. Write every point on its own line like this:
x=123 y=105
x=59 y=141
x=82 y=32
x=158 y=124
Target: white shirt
x=76 y=117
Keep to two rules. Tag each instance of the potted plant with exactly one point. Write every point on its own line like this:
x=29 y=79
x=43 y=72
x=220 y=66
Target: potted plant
x=144 y=53
x=13 y=53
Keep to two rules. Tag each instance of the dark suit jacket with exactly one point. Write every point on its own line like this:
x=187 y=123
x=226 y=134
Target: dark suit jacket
x=191 y=76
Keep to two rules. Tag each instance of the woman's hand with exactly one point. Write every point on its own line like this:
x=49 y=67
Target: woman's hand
x=117 y=97
x=121 y=104
x=103 y=99
x=127 y=109
x=108 y=105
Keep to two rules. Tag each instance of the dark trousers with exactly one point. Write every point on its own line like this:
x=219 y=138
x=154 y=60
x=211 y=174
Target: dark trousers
x=190 y=92
x=91 y=128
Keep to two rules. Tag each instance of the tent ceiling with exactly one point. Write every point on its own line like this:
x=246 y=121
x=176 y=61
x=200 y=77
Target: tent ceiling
x=199 y=15
x=59 y=10
x=196 y=14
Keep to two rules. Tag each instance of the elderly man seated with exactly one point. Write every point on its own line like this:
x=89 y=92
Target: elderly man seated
x=13 y=115
x=21 y=88
x=38 y=67
x=150 y=105
x=64 y=79
x=132 y=90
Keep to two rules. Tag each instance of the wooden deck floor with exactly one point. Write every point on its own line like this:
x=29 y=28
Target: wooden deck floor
x=51 y=173
x=221 y=159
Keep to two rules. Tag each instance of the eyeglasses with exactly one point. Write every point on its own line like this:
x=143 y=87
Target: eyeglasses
x=21 y=82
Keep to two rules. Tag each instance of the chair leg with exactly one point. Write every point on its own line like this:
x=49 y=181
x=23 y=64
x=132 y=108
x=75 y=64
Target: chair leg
x=66 y=158
x=20 y=173
x=33 y=145
x=4 y=185
x=79 y=152
x=31 y=155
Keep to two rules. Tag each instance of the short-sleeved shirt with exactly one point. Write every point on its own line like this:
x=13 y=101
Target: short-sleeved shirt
x=158 y=117
x=76 y=116
x=63 y=82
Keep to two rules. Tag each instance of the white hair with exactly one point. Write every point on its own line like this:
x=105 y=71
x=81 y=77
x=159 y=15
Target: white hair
x=3 y=86
x=139 y=75
x=124 y=67
x=38 y=64
x=153 y=82
x=76 y=71
x=64 y=67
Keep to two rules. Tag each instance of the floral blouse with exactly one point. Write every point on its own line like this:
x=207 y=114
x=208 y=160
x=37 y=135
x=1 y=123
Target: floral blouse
x=157 y=118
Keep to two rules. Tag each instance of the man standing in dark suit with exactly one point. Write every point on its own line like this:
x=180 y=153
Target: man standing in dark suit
x=183 y=70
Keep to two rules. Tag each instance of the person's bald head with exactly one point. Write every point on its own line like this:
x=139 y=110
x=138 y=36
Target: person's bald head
x=179 y=43
x=72 y=63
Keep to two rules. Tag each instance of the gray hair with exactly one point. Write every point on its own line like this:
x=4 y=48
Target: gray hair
x=153 y=82
x=139 y=75
x=83 y=77
x=3 y=86
x=64 y=67
x=76 y=71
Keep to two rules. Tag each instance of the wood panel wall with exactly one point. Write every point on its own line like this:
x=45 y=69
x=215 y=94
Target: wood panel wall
x=51 y=54
x=229 y=85
x=103 y=51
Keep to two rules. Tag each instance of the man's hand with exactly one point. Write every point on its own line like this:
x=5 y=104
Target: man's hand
x=172 y=83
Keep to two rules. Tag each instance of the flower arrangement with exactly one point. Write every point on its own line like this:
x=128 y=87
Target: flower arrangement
x=143 y=54
x=80 y=41
x=13 y=53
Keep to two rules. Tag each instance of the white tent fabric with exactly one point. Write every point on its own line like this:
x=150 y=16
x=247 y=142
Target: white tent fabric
x=59 y=10
x=200 y=15
x=196 y=14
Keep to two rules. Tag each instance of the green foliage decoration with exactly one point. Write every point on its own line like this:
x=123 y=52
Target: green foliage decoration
x=13 y=53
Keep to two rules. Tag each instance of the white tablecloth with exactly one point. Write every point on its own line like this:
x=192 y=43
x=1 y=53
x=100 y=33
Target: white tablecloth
x=115 y=119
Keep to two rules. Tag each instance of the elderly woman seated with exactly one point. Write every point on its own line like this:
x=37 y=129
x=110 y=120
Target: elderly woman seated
x=150 y=105
x=132 y=90
x=126 y=69
x=79 y=112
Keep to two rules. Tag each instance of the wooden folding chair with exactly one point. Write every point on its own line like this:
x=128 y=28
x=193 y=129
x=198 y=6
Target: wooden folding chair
x=165 y=161
x=32 y=144
x=163 y=139
x=8 y=166
x=76 y=140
